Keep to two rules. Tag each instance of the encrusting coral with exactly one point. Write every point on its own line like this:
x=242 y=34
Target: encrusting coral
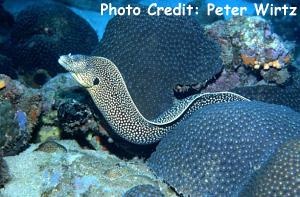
x=250 y=42
x=20 y=111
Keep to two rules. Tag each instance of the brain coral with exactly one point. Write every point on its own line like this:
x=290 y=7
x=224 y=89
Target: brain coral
x=144 y=191
x=155 y=53
x=43 y=32
x=215 y=151
x=280 y=176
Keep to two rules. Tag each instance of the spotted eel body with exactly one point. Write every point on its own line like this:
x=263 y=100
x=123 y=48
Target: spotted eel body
x=104 y=82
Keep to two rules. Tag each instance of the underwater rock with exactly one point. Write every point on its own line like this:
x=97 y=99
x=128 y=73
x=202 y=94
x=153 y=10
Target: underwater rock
x=61 y=87
x=63 y=90
x=77 y=172
x=76 y=119
x=6 y=67
x=280 y=175
x=4 y=175
x=150 y=52
x=42 y=33
x=144 y=191
x=216 y=151
x=20 y=108
x=13 y=137
x=54 y=92
x=249 y=41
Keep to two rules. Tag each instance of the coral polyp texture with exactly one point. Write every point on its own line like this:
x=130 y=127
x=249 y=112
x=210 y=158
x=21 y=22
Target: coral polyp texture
x=155 y=53
x=251 y=42
x=280 y=175
x=217 y=150
x=42 y=32
x=144 y=191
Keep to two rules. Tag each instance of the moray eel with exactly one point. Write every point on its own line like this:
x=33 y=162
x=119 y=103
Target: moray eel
x=105 y=84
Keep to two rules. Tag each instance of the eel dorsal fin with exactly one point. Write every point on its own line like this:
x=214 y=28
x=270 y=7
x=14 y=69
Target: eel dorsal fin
x=186 y=106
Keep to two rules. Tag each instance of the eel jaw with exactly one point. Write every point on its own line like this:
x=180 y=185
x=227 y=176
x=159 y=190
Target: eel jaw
x=66 y=62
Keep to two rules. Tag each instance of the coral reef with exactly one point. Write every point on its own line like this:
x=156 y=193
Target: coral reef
x=288 y=96
x=76 y=172
x=20 y=111
x=67 y=111
x=150 y=52
x=59 y=88
x=215 y=151
x=44 y=31
x=283 y=95
x=54 y=92
x=224 y=82
x=4 y=175
x=144 y=191
x=280 y=175
x=76 y=119
x=13 y=138
x=249 y=41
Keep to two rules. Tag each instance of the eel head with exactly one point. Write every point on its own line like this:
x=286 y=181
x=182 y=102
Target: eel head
x=80 y=68
x=90 y=71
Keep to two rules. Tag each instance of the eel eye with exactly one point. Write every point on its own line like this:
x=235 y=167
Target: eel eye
x=96 y=81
